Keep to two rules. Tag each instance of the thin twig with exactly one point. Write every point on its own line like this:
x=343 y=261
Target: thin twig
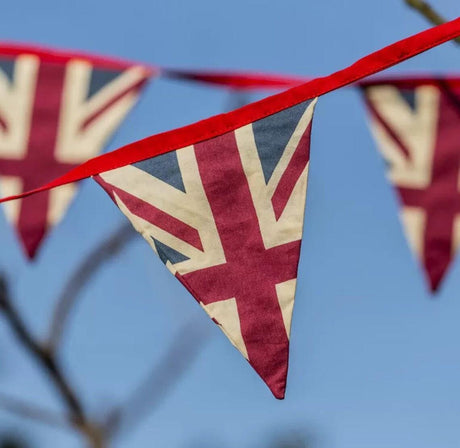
x=80 y=278
x=185 y=347
x=52 y=367
x=161 y=380
x=46 y=360
x=429 y=13
x=33 y=412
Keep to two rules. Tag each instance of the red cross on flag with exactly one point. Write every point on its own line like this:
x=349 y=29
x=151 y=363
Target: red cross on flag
x=416 y=123
x=56 y=111
x=226 y=217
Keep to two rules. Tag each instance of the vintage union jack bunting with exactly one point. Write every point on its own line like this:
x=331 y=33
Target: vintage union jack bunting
x=221 y=202
x=416 y=124
x=56 y=111
x=226 y=217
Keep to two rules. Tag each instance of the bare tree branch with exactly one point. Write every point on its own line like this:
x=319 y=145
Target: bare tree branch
x=80 y=278
x=163 y=377
x=52 y=367
x=33 y=412
x=185 y=347
x=429 y=13
x=46 y=360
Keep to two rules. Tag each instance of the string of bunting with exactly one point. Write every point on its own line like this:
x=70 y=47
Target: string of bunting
x=222 y=201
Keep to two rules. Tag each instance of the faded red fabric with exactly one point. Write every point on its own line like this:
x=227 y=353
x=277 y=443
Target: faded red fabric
x=230 y=228
x=51 y=134
x=420 y=120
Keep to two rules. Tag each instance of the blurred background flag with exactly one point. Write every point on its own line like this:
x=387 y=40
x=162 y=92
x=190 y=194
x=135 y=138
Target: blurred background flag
x=416 y=124
x=56 y=110
x=226 y=217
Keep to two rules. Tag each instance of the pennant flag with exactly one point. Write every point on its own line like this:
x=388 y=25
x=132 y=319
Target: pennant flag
x=56 y=111
x=416 y=123
x=226 y=217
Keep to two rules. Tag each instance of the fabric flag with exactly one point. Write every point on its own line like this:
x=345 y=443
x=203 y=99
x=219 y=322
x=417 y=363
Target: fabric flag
x=226 y=216
x=416 y=123
x=56 y=111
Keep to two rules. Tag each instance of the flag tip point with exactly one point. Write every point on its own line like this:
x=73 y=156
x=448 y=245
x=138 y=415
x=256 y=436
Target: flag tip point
x=279 y=395
x=278 y=392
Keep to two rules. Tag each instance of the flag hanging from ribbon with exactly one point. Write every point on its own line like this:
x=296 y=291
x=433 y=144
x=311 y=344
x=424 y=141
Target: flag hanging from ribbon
x=221 y=202
x=416 y=124
x=56 y=111
x=226 y=217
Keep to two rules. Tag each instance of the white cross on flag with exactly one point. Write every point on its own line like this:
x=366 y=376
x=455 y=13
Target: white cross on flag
x=226 y=217
x=416 y=123
x=56 y=111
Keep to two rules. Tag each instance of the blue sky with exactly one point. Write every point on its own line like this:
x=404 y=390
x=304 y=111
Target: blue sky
x=375 y=361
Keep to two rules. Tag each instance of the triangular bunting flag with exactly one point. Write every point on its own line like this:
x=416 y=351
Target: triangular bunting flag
x=226 y=217
x=416 y=123
x=56 y=111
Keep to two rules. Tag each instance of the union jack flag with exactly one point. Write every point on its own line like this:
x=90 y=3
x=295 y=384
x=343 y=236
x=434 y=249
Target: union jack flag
x=56 y=111
x=416 y=124
x=226 y=217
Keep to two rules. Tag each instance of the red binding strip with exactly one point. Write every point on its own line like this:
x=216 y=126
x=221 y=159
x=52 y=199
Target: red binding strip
x=51 y=55
x=234 y=80
x=220 y=124
x=409 y=82
x=260 y=81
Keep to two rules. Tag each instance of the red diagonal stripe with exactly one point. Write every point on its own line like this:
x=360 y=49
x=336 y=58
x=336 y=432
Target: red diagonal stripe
x=373 y=111
x=292 y=173
x=154 y=215
x=3 y=123
x=133 y=88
